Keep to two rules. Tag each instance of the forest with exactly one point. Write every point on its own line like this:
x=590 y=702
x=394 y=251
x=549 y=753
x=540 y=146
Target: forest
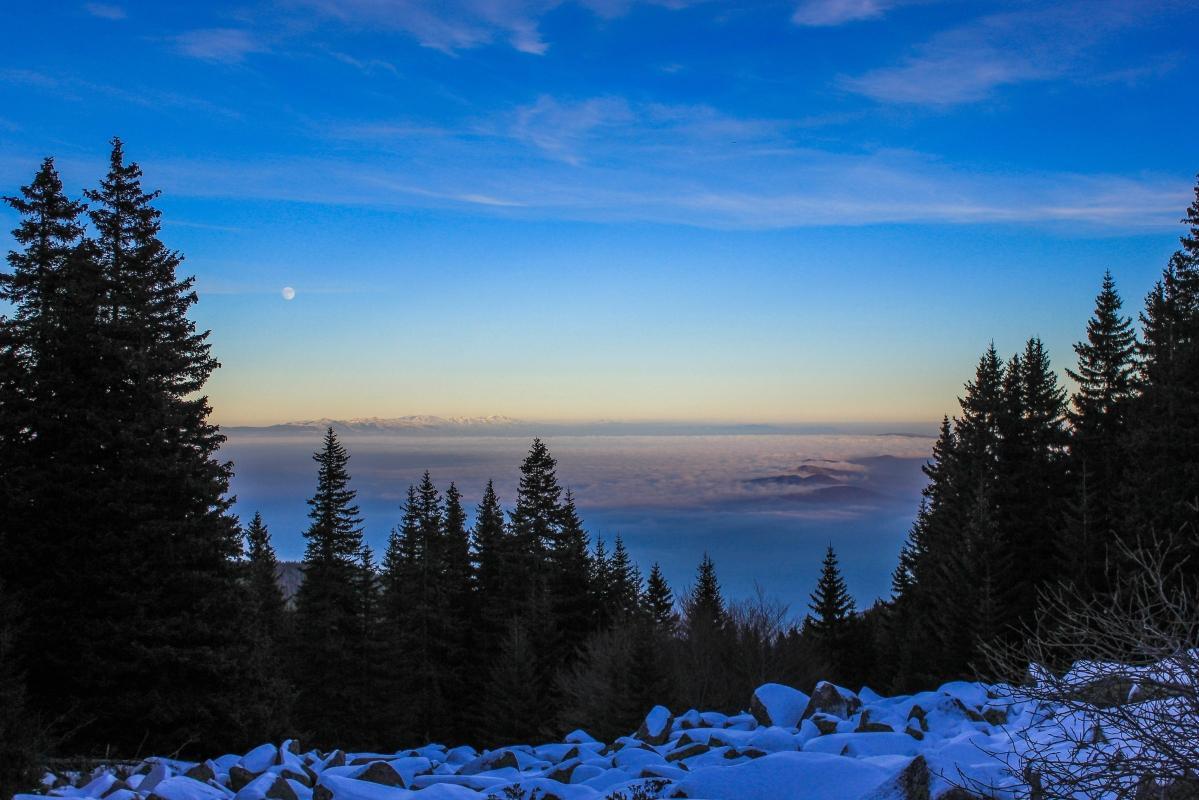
x=139 y=615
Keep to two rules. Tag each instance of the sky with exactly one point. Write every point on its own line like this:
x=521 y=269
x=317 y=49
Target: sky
x=814 y=210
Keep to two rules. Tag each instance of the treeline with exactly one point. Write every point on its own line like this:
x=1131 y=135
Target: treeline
x=1029 y=488
x=513 y=629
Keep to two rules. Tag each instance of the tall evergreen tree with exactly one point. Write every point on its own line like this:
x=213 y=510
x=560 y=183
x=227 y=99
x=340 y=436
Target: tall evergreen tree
x=329 y=604
x=491 y=574
x=1105 y=377
x=706 y=641
x=626 y=582
x=1160 y=494
x=571 y=604
x=139 y=490
x=458 y=614
x=535 y=525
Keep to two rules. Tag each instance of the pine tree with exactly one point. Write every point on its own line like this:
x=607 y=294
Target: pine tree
x=329 y=610
x=1160 y=496
x=706 y=641
x=268 y=620
x=571 y=604
x=831 y=605
x=107 y=336
x=601 y=584
x=457 y=581
x=51 y=450
x=491 y=575
x=535 y=525
x=705 y=605
x=262 y=569
x=658 y=602
x=1099 y=408
x=626 y=582
x=1032 y=516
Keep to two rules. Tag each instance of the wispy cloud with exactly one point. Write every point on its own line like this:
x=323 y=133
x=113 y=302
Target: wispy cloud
x=454 y=25
x=611 y=160
x=968 y=63
x=105 y=11
x=228 y=45
x=69 y=87
x=824 y=13
x=447 y=26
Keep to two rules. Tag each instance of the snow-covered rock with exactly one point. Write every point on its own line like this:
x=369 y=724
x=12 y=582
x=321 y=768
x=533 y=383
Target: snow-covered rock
x=776 y=704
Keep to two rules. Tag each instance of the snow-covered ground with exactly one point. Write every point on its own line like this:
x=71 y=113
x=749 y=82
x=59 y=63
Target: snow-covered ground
x=786 y=746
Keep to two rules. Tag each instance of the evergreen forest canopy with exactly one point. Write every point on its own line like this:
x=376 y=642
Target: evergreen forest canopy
x=139 y=616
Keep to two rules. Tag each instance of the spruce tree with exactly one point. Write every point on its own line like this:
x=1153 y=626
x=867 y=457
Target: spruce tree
x=1105 y=376
x=831 y=605
x=535 y=525
x=706 y=641
x=268 y=622
x=705 y=605
x=51 y=448
x=658 y=602
x=626 y=582
x=1035 y=545
x=491 y=574
x=571 y=603
x=262 y=569
x=1160 y=496
x=459 y=616
x=133 y=487
x=601 y=583
x=329 y=605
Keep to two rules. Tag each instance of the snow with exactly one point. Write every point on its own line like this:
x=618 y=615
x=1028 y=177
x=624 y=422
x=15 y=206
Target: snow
x=836 y=744
x=781 y=705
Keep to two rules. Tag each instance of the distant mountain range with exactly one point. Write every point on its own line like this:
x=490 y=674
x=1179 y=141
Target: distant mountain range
x=498 y=425
x=408 y=424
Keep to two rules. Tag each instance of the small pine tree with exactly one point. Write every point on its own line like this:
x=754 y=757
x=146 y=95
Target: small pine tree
x=262 y=574
x=831 y=604
x=626 y=583
x=705 y=605
x=833 y=613
x=658 y=602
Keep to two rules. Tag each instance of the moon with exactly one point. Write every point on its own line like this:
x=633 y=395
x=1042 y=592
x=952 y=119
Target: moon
x=288 y=293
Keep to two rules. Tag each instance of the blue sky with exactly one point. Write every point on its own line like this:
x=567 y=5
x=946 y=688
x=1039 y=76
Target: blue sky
x=818 y=210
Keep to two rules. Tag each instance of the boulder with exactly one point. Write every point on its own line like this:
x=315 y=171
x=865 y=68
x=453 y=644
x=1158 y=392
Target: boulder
x=260 y=759
x=202 y=772
x=496 y=759
x=912 y=783
x=695 y=749
x=382 y=773
x=281 y=790
x=774 y=704
x=655 y=729
x=828 y=698
x=866 y=725
x=825 y=723
x=240 y=776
